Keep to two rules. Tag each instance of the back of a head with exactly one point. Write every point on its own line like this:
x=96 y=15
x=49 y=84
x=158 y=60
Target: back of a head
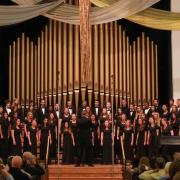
x=144 y=160
x=9 y=161
x=166 y=168
x=160 y=162
x=27 y=156
x=17 y=162
x=152 y=162
x=176 y=156
x=174 y=168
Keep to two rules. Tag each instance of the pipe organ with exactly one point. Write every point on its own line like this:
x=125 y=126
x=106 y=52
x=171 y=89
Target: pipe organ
x=51 y=66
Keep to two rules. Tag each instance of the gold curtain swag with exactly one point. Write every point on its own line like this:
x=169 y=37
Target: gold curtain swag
x=151 y=17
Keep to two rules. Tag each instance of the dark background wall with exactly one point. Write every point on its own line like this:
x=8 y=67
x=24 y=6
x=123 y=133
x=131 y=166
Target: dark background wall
x=32 y=28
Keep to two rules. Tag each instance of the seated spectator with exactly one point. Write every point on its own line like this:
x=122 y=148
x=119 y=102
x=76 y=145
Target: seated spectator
x=173 y=169
x=154 y=174
x=176 y=156
x=16 y=170
x=4 y=174
x=166 y=177
x=31 y=166
x=142 y=166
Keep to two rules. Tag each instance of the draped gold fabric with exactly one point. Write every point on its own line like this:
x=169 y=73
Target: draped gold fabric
x=151 y=17
x=157 y=19
x=98 y=15
x=84 y=6
x=15 y=14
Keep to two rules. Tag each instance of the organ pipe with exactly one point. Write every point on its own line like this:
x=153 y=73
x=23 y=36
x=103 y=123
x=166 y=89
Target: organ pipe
x=51 y=67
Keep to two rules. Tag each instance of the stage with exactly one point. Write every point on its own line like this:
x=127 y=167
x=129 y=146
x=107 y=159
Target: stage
x=70 y=172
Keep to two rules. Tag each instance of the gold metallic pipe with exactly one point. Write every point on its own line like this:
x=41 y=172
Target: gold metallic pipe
x=46 y=42
x=134 y=74
x=107 y=59
x=23 y=68
x=96 y=58
x=59 y=61
x=39 y=67
x=148 y=71
x=10 y=71
x=65 y=88
x=77 y=65
x=156 y=64
x=116 y=58
x=124 y=66
x=153 y=70
x=36 y=75
x=131 y=73
x=32 y=70
x=111 y=58
x=18 y=68
x=139 y=69
x=14 y=69
x=120 y=65
x=27 y=71
x=42 y=66
x=54 y=61
x=77 y=59
x=102 y=63
x=70 y=58
x=50 y=62
x=90 y=74
x=144 y=79
x=65 y=57
x=128 y=70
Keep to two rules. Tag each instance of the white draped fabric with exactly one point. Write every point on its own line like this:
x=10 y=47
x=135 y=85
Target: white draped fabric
x=117 y=10
x=15 y=14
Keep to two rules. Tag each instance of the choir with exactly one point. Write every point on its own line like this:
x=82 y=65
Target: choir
x=90 y=133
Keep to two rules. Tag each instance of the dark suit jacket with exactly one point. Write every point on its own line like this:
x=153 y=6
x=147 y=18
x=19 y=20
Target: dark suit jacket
x=131 y=116
x=18 y=174
x=73 y=109
x=94 y=111
x=40 y=116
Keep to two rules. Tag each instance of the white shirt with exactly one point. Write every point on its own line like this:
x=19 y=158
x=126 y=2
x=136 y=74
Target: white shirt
x=70 y=111
x=96 y=111
x=146 y=111
x=8 y=110
x=43 y=110
x=57 y=113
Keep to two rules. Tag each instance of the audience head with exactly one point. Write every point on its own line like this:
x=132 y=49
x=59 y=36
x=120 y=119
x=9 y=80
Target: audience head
x=176 y=156
x=152 y=162
x=144 y=160
x=166 y=168
x=17 y=162
x=9 y=161
x=160 y=162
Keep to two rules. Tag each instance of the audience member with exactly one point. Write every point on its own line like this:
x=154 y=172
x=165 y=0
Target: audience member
x=16 y=169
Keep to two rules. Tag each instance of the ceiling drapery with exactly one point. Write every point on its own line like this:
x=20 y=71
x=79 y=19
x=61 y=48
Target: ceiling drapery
x=117 y=10
x=137 y=11
x=15 y=14
x=151 y=17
